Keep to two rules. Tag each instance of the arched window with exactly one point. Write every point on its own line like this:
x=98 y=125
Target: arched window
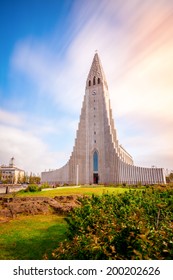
x=98 y=81
x=94 y=80
x=89 y=83
x=95 y=161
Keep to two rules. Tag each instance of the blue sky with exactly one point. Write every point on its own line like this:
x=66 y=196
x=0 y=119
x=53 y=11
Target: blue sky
x=46 y=50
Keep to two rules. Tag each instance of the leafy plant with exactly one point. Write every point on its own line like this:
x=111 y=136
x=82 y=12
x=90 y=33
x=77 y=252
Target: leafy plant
x=33 y=188
x=45 y=186
x=131 y=225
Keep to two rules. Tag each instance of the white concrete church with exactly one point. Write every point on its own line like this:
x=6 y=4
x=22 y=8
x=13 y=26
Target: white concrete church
x=97 y=156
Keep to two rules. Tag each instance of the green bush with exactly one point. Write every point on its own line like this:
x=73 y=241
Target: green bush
x=45 y=186
x=132 y=225
x=33 y=188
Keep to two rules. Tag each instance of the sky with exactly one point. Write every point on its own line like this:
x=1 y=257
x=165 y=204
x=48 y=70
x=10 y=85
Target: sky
x=46 y=51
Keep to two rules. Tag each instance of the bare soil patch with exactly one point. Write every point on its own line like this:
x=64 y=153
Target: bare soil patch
x=11 y=207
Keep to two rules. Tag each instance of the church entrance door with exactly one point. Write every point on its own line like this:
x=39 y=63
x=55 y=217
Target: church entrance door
x=95 y=178
x=95 y=168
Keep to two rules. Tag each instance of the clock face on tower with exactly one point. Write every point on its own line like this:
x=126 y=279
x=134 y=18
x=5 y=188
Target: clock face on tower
x=94 y=92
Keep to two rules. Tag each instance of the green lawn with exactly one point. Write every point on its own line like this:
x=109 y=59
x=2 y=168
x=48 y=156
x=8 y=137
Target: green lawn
x=34 y=237
x=75 y=191
x=31 y=237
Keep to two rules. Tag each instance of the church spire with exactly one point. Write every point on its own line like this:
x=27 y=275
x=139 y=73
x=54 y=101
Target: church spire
x=96 y=74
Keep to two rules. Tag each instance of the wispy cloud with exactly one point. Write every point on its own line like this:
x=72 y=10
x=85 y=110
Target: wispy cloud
x=50 y=76
x=11 y=118
x=29 y=150
x=134 y=40
x=24 y=137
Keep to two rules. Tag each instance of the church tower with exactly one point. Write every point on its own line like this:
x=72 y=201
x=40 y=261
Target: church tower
x=97 y=156
x=96 y=125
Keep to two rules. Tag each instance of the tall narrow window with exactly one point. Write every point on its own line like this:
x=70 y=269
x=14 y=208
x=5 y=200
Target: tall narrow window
x=89 y=83
x=98 y=81
x=95 y=161
x=94 y=80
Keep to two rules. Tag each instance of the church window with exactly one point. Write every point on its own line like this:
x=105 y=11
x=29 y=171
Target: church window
x=94 y=132
x=89 y=83
x=94 y=80
x=98 y=81
x=95 y=161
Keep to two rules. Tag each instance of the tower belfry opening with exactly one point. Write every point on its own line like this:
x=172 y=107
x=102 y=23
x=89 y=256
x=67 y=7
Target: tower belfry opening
x=110 y=162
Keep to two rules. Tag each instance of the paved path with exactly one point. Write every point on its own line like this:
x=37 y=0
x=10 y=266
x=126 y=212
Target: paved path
x=58 y=188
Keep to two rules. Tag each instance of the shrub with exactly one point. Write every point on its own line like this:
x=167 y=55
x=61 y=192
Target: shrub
x=33 y=188
x=45 y=186
x=132 y=225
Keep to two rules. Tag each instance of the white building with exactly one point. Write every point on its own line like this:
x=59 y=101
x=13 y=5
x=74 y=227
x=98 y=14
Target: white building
x=97 y=156
x=11 y=174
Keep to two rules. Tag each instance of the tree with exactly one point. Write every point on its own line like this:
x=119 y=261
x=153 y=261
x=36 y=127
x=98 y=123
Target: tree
x=34 y=179
x=169 y=178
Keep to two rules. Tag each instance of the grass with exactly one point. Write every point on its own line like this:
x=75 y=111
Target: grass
x=73 y=191
x=35 y=237
x=31 y=237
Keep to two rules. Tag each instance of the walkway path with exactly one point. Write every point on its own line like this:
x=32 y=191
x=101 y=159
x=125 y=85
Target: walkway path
x=58 y=188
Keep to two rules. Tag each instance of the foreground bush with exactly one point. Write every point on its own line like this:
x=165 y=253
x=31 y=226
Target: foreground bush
x=33 y=188
x=132 y=225
x=45 y=186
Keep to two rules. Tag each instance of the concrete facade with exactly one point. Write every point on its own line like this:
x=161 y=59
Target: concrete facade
x=97 y=156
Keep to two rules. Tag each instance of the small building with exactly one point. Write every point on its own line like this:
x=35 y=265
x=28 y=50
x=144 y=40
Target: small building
x=11 y=174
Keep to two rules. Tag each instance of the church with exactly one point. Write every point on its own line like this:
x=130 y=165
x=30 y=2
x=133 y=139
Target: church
x=97 y=156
